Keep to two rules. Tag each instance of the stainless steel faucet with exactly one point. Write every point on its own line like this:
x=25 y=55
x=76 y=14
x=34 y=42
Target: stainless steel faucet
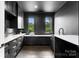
x=60 y=31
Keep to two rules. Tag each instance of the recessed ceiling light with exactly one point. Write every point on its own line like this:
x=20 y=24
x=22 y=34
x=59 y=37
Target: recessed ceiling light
x=35 y=6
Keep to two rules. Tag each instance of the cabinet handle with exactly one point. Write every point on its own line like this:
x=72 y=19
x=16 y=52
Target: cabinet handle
x=14 y=41
x=14 y=47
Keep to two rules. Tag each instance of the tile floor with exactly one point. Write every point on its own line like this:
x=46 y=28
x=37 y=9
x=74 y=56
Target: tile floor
x=36 y=52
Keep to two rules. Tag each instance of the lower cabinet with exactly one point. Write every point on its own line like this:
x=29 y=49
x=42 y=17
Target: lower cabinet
x=36 y=41
x=64 y=49
x=12 y=48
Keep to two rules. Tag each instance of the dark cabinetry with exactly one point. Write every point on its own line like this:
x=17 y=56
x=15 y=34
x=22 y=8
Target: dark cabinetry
x=11 y=15
x=11 y=7
x=13 y=47
x=65 y=49
x=37 y=41
x=10 y=20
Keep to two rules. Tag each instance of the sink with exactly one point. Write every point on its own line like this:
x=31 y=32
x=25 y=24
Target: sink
x=32 y=33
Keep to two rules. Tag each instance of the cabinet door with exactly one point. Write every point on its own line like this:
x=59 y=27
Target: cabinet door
x=65 y=49
x=52 y=43
x=14 y=8
x=6 y=50
x=44 y=40
x=10 y=6
x=19 y=41
x=10 y=49
x=36 y=41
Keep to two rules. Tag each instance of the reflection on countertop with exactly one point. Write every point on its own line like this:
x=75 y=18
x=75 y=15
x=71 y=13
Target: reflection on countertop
x=12 y=37
x=70 y=38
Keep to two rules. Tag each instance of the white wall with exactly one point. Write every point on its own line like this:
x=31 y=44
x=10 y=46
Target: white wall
x=67 y=18
x=1 y=27
x=1 y=22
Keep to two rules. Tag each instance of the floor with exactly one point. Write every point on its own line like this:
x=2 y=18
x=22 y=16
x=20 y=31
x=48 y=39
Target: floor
x=36 y=52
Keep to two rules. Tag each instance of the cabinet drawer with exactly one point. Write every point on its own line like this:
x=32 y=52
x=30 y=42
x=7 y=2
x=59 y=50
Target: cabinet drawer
x=12 y=43
x=20 y=39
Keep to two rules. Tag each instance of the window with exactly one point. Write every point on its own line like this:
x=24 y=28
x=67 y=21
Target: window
x=48 y=24
x=31 y=23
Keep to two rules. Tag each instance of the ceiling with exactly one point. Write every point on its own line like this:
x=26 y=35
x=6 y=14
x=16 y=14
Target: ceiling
x=46 y=6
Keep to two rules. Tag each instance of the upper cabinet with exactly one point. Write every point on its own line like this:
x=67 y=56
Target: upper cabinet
x=11 y=6
x=11 y=10
x=13 y=16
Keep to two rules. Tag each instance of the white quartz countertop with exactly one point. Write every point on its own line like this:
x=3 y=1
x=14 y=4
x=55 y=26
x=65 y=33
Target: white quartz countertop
x=38 y=35
x=12 y=37
x=32 y=34
x=70 y=38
